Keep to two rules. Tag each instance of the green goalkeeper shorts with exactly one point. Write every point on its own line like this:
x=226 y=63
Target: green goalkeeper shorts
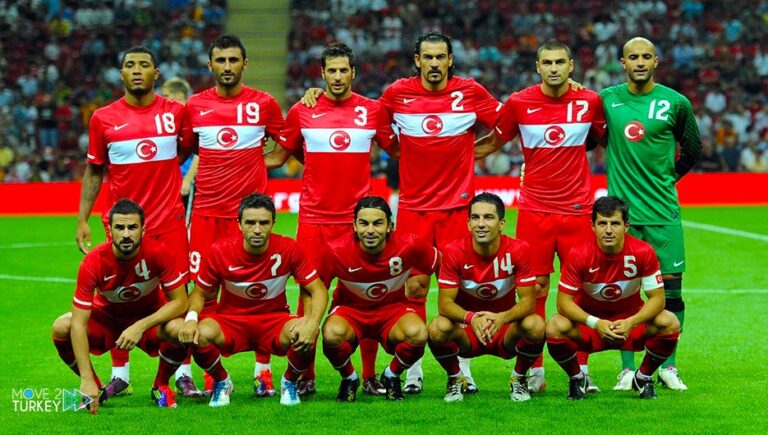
x=667 y=241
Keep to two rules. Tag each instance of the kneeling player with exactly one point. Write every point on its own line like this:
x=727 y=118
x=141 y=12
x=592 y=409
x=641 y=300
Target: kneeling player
x=478 y=279
x=117 y=304
x=370 y=301
x=252 y=314
x=599 y=302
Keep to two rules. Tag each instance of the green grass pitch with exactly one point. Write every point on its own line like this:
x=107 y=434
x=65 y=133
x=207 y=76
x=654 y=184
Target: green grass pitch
x=722 y=356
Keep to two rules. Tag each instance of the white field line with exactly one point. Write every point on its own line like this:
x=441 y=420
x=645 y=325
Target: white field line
x=37 y=245
x=724 y=230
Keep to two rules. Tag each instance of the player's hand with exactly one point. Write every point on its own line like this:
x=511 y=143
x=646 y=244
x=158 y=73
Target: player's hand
x=306 y=332
x=310 y=97
x=605 y=329
x=522 y=176
x=622 y=327
x=479 y=324
x=130 y=337
x=576 y=86
x=83 y=237
x=493 y=323
x=90 y=389
x=189 y=333
x=185 y=185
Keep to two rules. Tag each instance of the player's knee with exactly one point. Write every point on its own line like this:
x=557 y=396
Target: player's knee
x=416 y=333
x=667 y=323
x=170 y=331
x=534 y=327
x=61 y=326
x=207 y=331
x=439 y=328
x=333 y=332
x=558 y=326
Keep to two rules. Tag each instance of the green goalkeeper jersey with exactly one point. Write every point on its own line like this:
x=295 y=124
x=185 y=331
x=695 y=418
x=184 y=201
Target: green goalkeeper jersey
x=640 y=156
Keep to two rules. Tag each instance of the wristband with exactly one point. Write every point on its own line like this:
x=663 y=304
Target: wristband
x=468 y=317
x=191 y=315
x=592 y=322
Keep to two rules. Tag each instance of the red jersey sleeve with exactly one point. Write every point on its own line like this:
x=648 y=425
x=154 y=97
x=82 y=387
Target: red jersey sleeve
x=187 y=137
x=171 y=276
x=507 y=124
x=570 y=279
x=427 y=258
x=599 y=128
x=449 y=269
x=302 y=271
x=209 y=277
x=385 y=136
x=523 y=276
x=87 y=283
x=487 y=106
x=290 y=136
x=273 y=116
x=97 y=146
x=326 y=265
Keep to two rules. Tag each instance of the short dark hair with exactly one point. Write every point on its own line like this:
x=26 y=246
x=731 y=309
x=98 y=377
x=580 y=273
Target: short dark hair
x=338 y=49
x=126 y=206
x=374 y=202
x=139 y=49
x=178 y=84
x=552 y=45
x=608 y=205
x=488 y=198
x=256 y=200
x=434 y=37
x=226 y=41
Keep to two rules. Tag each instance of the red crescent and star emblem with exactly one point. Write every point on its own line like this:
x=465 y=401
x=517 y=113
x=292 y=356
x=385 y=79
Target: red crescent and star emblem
x=377 y=291
x=340 y=140
x=129 y=293
x=146 y=150
x=487 y=291
x=227 y=137
x=554 y=135
x=256 y=290
x=432 y=125
x=634 y=131
x=610 y=292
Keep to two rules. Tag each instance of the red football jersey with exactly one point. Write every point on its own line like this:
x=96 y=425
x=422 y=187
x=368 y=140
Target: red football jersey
x=138 y=146
x=553 y=134
x=231 y=133
x=486 y=283
x=127 y=289
x=336 y=138
x=253 y=284
x=604 y=284
x=368 y=281
x=437 y=139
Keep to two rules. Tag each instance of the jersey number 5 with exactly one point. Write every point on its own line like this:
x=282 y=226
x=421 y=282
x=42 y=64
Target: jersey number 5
x=630 y=268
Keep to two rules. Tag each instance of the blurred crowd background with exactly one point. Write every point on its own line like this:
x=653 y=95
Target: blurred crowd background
x=59 y=61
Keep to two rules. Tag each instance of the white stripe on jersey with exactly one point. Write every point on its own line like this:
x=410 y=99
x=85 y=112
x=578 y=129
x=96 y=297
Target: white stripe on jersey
x=87 y=304
x=653 y=281
x=181 y=275
x=612 y=292
x=548 y=135
x=230 y=137
x=149 y=149
x=131 y=292
x=338 y=140
x=488 y=291
x=435 y=125
x=374 y=291
x=259 y=290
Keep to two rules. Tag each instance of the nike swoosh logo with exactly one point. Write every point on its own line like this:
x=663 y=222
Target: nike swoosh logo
x=468 y=266
x=354 y=269
x=107 y=278
x=616 y=104
x=408 y=100
x=676 y=264
x=118 y=127
x=529 y=111
x=591 y=270
x=234 y=268
x=205 y=112
x=317 y=115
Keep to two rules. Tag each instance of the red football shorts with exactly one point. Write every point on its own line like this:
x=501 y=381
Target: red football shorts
x=104 y=330
x=495 y=347
x=175 y=240
x=374 y=323
x=550 y=233
x=260 y=333
x=436 y=227
x=313 y=238
x=591 y=341
x=204 y=231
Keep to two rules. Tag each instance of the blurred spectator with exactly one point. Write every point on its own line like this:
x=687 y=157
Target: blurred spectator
x=710 y=159
x=731 y=154
x=753 y=159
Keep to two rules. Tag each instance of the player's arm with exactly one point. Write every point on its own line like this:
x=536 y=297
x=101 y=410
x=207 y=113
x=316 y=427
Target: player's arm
x=78 y=335
x=652 y=307
x=487 y=144
x=189 y=334
x=277 y=157
x=310 y=96
x=686 y=132
x=447 y=307
x=308 y=329
x=189 y=177
x=568 y=308
x=92 y=179
x=175 y=307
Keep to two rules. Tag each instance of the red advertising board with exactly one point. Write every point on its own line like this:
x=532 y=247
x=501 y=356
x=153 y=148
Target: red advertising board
x=694 y=190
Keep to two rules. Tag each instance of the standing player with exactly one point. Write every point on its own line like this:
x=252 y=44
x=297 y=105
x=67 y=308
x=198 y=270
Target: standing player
x=554 y=123
x=479 y=277
x=335 y=139
x=178 y=89
x=135 y=141
x=599 y=304
x=118 y=303
x=370 y=299
x=253 y=314
x=230 y=123
x=645 y=120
